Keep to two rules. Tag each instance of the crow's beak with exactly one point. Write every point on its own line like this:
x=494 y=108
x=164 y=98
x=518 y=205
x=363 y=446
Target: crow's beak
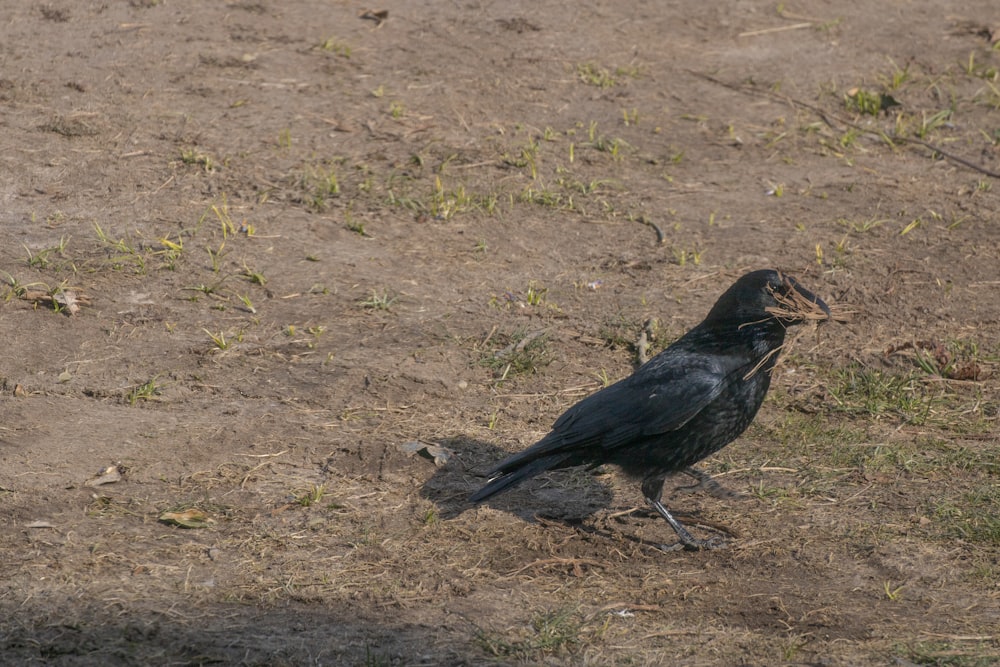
x=808 y=296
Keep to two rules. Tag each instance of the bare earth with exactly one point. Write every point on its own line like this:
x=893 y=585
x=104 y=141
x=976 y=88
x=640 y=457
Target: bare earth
x=253 y=252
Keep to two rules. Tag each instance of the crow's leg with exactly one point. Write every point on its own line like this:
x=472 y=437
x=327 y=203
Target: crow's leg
x=707 y=483
x=652 y=488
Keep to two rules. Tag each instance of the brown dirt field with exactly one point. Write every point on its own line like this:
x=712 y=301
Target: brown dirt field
x=251 y=249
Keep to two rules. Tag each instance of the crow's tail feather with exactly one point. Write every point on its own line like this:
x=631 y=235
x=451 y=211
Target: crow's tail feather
x=511 y=478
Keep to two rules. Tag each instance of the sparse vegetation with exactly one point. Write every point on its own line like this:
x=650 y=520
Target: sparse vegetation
x=320 y=183
x=312 y=496
x=867 y=102
x=551 y=632
x=147 y=391
x=220 y=341
x=192 y=156
x=336 y=46
x=250 y=251
x=378 y=300
x=517 y=353
x=603 y=77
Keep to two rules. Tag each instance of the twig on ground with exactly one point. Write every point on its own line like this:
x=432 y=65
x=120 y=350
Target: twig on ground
x=830 y=119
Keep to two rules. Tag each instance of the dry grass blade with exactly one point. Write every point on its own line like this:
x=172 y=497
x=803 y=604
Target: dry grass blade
x=792 y=305
x=763 y=360
x=841 y=314
x=575 y=563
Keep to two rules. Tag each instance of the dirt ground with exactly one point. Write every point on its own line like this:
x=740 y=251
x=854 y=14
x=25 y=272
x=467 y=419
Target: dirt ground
x=253 y=253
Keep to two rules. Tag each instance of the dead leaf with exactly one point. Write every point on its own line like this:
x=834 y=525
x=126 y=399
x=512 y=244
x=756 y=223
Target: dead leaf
x=969 y=371
x=69 y=301
x=109 y=475
x=189 y=518
x=66 y=300
x=380 y=16
x=436 y=453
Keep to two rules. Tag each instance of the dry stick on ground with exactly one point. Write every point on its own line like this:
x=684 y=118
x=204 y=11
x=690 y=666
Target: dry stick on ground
x=623 y=607
x=660 y=236
x=519 y=345
x=642 y=345
x=829 y=118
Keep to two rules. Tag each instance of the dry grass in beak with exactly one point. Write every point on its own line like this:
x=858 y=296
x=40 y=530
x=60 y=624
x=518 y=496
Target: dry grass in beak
x=792 y=305
x=840 y=314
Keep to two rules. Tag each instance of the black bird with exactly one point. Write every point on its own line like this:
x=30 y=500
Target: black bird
x=686 y=403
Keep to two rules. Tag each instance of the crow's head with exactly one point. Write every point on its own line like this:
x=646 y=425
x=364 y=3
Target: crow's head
x=768 y=295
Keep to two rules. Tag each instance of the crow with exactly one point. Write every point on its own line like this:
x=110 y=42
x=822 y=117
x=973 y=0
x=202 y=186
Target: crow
x=684 y=404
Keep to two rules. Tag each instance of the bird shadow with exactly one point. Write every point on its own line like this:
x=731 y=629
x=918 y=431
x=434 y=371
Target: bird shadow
x=562 y=495
x=578 y=499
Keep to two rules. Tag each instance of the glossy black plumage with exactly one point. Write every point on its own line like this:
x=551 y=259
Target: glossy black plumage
x=688 y=402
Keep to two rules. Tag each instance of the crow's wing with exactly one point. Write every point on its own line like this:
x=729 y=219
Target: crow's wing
x=662 y=396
